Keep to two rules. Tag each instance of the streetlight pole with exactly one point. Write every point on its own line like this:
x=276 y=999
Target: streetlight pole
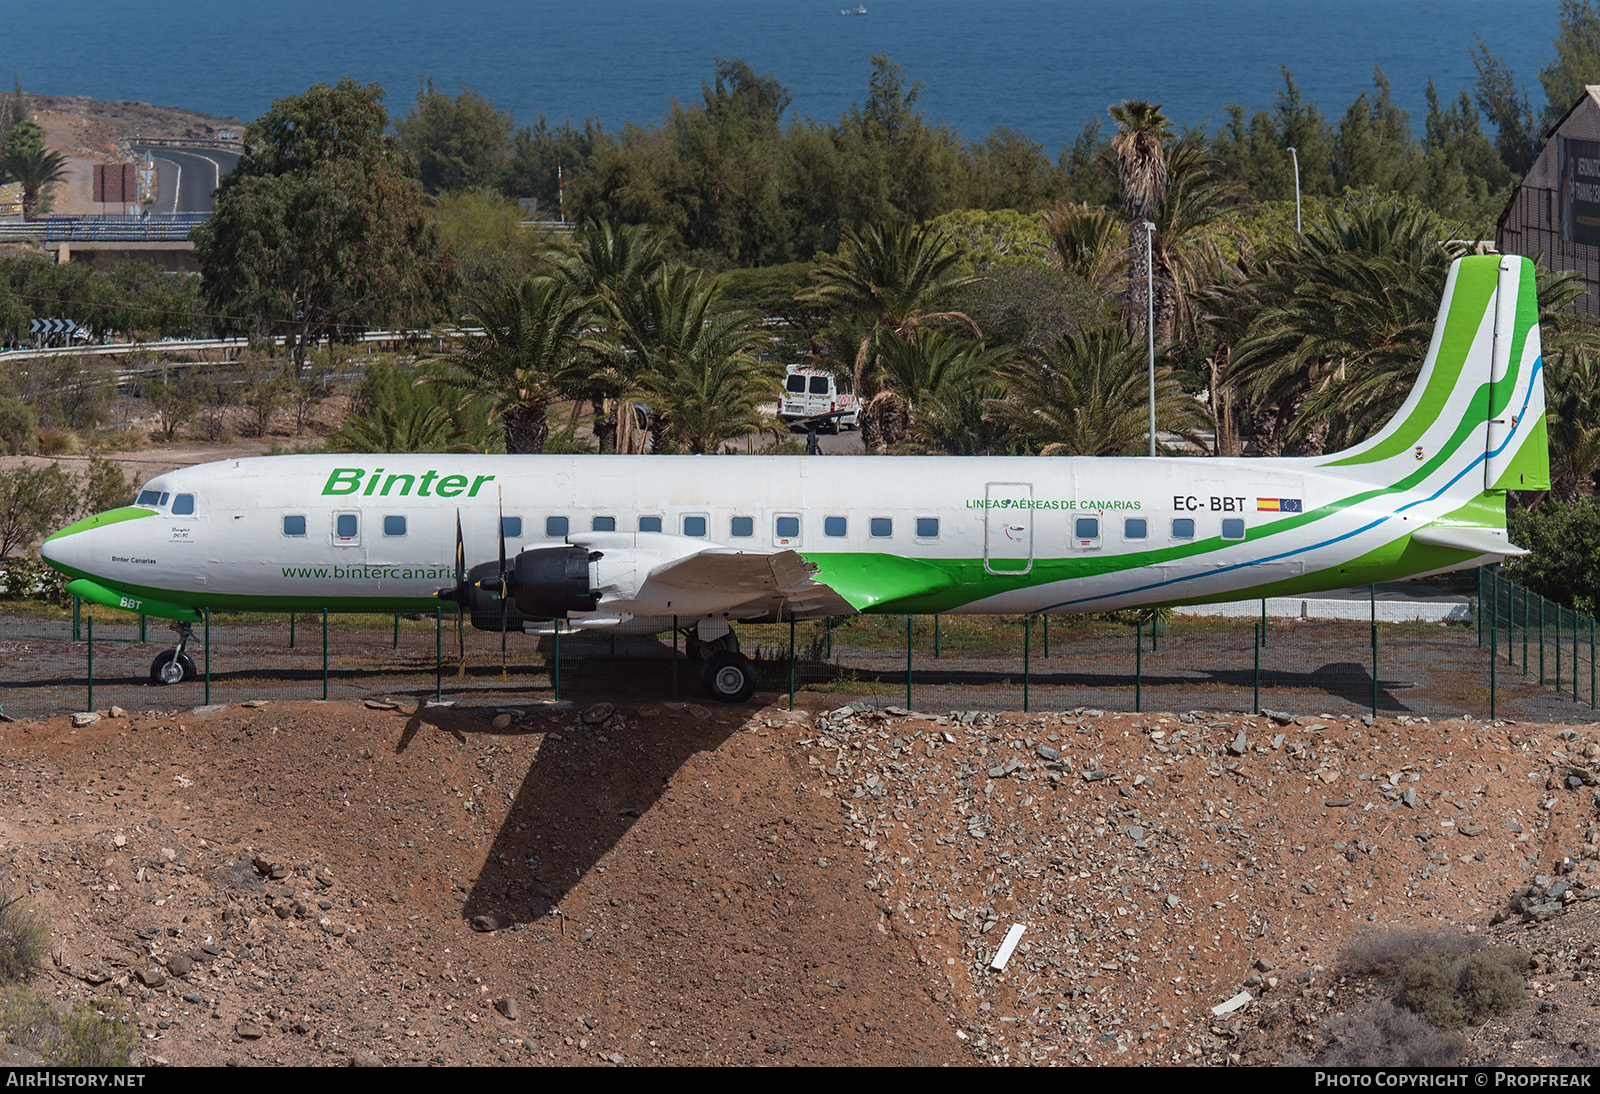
x=1295 y=156
x=1150 y=320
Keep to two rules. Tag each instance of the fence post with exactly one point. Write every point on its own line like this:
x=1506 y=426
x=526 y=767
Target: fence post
x=1559 y=610
x=1542 y=603
x=1591 y=662
x=828 y=632
x=1263 y=621
x=1480 y=607
x=1494 y=655
x=291 y=630
x=438 y=654
x=557 y=674
x=1256 y=703
x=1372 y=592
x=674 y=658
x=77 y=616
x=1138 y=665
x=1525 y=628
x=143 y=620
x=396 y=631
x=1575 y=618
x=791 y=662
x=90 y=631
x=908 y=662
x=208 y=654
x=324 y=653
x=936 y=636
x=1027 y=657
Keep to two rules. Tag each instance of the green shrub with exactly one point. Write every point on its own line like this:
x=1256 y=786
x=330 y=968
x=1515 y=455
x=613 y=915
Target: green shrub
x=24 y=940
x=1387 y=1036
x=97 y=1035
x=1452 y=991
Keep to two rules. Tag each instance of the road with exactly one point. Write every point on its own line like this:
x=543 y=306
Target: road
x=186 y=177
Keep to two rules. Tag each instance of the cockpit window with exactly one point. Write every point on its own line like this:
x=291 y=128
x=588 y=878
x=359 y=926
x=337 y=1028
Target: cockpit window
x=183 y=505
x=149 y=497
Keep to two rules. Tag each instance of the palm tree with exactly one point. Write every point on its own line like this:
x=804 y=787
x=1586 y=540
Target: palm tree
x=1086 y=395
x=925 y=378
x=35 y=169
x=609 y=265
x=889 y=282
x=1089 y=241
x=1348 y=316
x=533 y=333
x=697 y=363
x=1139 y=156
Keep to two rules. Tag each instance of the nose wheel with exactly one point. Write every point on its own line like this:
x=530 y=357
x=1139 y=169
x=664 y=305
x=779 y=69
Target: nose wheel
x=174 y=666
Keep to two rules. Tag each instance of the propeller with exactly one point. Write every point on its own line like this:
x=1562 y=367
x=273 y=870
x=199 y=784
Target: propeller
x=459 y=594
x=500 y=585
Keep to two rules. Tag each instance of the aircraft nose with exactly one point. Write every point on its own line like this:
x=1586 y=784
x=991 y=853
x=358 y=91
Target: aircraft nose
x=68 y=549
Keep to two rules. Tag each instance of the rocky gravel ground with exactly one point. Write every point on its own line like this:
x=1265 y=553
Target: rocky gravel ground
x=386 y=883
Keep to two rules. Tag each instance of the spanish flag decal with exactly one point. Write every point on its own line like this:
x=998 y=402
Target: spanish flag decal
x=1277 y=505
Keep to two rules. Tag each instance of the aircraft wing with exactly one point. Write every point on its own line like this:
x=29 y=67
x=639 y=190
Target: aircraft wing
x=783 y=580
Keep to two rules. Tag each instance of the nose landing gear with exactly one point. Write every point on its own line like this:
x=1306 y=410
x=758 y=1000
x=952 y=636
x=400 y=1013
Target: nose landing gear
x=174 y=666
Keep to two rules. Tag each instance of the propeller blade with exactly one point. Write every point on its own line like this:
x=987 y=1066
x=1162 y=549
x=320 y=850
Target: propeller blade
x=505 y=590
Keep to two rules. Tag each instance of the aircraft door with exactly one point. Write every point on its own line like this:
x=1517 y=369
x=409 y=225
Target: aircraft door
x=1008 y=528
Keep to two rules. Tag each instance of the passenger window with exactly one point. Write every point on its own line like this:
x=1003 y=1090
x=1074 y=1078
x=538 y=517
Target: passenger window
x=741 y=527
x=555 y=526
x=1232 y=528
x=694 y=526
x=834 y=526
x=1135 y=528
x=649 y=524
x=819 y=385
x=346 y=526
x=927 y=527
x=394 y=526
x=1086 y=528
x=294 y=526
x=795 y=385
x=1183 y=528
x=511 y=527
x=787 y=527
x=183 y=505
x=603 y=524
x=881 y=527
x=149 y=497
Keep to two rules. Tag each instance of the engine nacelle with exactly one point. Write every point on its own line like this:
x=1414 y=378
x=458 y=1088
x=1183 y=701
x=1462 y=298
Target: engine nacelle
x=552 y=582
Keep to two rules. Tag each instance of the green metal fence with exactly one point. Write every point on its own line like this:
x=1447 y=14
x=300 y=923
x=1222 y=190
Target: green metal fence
x=1536 y=636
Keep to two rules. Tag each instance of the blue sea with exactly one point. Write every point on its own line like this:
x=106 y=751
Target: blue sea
x=1043 y=67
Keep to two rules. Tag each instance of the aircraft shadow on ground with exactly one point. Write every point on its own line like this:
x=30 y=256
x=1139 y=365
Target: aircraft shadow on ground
x=582 y=793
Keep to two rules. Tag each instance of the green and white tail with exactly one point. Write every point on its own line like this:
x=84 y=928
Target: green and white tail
x=1475 y=421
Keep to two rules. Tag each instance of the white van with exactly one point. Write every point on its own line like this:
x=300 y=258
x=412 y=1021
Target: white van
x=810 y=392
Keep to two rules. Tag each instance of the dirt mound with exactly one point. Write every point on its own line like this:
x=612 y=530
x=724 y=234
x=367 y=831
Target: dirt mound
x=304 y=882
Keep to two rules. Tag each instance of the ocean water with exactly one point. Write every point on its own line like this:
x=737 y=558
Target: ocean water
x=1043 y=67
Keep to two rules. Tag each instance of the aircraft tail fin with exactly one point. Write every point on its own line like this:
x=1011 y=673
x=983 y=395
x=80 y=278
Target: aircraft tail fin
x=1475 y=421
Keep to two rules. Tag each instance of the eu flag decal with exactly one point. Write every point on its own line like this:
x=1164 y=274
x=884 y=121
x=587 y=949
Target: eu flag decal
x=1278 y=505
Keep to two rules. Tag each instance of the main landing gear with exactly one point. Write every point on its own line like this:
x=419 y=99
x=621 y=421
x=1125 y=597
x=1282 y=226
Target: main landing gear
x=726 y=674
x=174 y=666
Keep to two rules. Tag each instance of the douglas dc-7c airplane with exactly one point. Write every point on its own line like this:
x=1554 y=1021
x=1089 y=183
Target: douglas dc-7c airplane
x=640 y=544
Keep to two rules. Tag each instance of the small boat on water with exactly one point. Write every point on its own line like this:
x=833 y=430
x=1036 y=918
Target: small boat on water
x=857 y=10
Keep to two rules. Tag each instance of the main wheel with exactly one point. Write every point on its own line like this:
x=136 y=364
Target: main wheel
x=171 y=667
x=729 y=677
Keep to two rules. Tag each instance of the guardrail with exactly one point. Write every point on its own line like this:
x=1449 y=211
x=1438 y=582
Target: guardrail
x=115 y=228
